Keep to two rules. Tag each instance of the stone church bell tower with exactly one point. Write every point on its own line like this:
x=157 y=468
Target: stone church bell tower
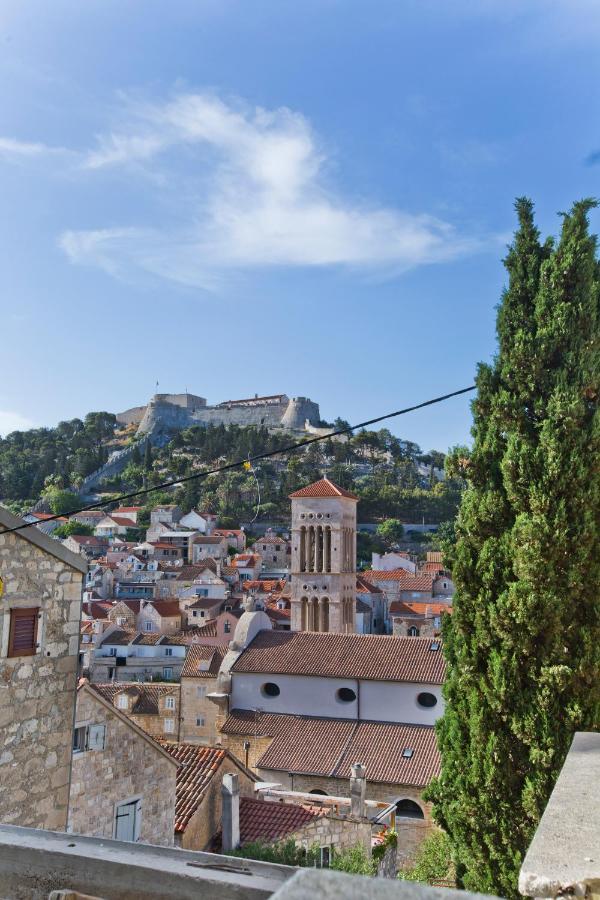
x=323 y=558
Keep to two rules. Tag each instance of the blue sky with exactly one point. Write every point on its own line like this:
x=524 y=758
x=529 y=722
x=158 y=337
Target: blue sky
x=255 y=196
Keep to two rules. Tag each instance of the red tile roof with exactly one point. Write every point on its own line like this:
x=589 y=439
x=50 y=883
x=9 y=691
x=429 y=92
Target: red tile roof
x=126 y=509
x=246 y=559
x=146 y=697
x=199 y=654
x=124 y=522
x=367 y=656
x=267 y=821
x=406 y=581
x=189 y=573
x=197 y=767
x=323 y=488
x=431 y=568
x=197 y=632
x=405 y=607
x=365 y=587
x=329 y=747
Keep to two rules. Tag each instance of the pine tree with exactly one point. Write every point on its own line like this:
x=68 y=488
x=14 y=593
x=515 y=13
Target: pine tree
x=522 y=645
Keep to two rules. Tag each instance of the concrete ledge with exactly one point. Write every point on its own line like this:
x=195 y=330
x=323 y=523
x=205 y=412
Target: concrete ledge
x=34 y=863
x=564 y=856
x=310 y=884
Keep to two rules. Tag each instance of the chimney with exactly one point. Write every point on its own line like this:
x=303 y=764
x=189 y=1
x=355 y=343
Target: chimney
x=358 y=787
x=218 y=561
x=230 y=812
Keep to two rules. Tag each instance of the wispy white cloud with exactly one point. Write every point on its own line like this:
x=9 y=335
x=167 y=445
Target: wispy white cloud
x=12 y=421
x=13 y=150
x=265 y=200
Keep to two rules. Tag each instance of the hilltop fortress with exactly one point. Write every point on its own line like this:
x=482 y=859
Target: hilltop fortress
x=168 y=413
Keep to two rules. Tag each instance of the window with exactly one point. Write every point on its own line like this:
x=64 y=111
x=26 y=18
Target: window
x=148 y=626
x=170 y=703
x=413 y=631
x=264 y=546
x=128 y=820
x=22 y=640
x=227 y=627
x=169 y=726
x=200 y=722
x=407 y=753
x=168 y=651
x=121 y=620
x=201 y=692
x=270 y=689
x=167 y=672
x=274 y=559
x=445 y=584
x=426 y=699
x=325 y=857
x=345 y=695
x=195 y=613
x=112 y=651
x=89 y=737
x=122 y=701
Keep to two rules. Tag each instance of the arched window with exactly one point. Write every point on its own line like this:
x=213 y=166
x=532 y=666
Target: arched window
x=319 y=792
x=413 y=631
x=408 y=809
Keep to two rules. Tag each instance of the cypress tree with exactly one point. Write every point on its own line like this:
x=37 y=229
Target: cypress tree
x=522 y=644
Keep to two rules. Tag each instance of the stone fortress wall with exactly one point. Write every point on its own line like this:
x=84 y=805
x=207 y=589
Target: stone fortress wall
x=168 y=413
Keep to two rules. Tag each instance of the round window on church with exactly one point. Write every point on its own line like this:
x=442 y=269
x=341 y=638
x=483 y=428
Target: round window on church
x=345 y=695
x=426 y=699
x=270 y=689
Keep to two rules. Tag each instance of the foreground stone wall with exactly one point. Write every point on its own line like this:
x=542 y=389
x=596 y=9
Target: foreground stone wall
x=335 y=831
x=128 y=767
x=37 y=693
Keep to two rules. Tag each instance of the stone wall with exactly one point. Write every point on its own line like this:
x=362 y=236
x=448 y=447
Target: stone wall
x=129 y=766
x=340 y=832
x=194 y=707
x=37 y=693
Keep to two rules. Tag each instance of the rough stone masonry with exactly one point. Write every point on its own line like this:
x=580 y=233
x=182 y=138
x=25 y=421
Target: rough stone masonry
x=37 y=691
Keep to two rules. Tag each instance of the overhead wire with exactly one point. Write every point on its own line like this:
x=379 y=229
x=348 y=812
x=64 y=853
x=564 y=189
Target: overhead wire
x=290 y=448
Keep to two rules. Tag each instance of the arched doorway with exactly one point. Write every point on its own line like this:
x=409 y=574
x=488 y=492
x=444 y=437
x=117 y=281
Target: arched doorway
x=408 y=809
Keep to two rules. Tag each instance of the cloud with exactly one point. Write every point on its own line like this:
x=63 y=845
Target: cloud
x=14 y=150
x=11 y=421
x=252 y=191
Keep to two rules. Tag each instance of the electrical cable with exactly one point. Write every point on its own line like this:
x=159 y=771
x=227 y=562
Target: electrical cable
x=241 y=462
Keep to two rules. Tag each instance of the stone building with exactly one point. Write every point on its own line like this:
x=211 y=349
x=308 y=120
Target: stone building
x=123 y=782
x=273 y=550
x=198 y=679
x=323 y=564
x=155 y=708
x=198 y=802
x=41 y=585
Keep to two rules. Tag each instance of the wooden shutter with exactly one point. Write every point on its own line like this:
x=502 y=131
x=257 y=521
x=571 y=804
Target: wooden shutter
x=23 y=632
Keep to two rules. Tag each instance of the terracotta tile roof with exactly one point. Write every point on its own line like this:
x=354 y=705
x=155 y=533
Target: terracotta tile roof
x=121 y=637
x=203 y=661
x=148 y=638
x=206 y=603
x=434 y=556
x=146 y=696
x=188 y=573
x=167 y=608
x=419 y=609
x=367 y=656
x=126 y=509
x=88 y=540
x=269 y=539
x=328 y=747
x=228 y=532
x=263 y=820
x=198 y=632
x=265 y=586
x=406 y=582
x=163 y=545
x=198 y=765
x=97 y=609
x=365 y=587
x=208 y=539
x=246 y=559
x=431 y=568
x=323 y=488
x=124 y=522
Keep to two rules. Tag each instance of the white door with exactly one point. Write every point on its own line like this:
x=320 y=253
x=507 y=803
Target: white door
x=128 y=821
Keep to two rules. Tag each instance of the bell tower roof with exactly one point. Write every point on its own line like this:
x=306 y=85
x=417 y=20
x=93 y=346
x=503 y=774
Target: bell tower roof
x=322 y=489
